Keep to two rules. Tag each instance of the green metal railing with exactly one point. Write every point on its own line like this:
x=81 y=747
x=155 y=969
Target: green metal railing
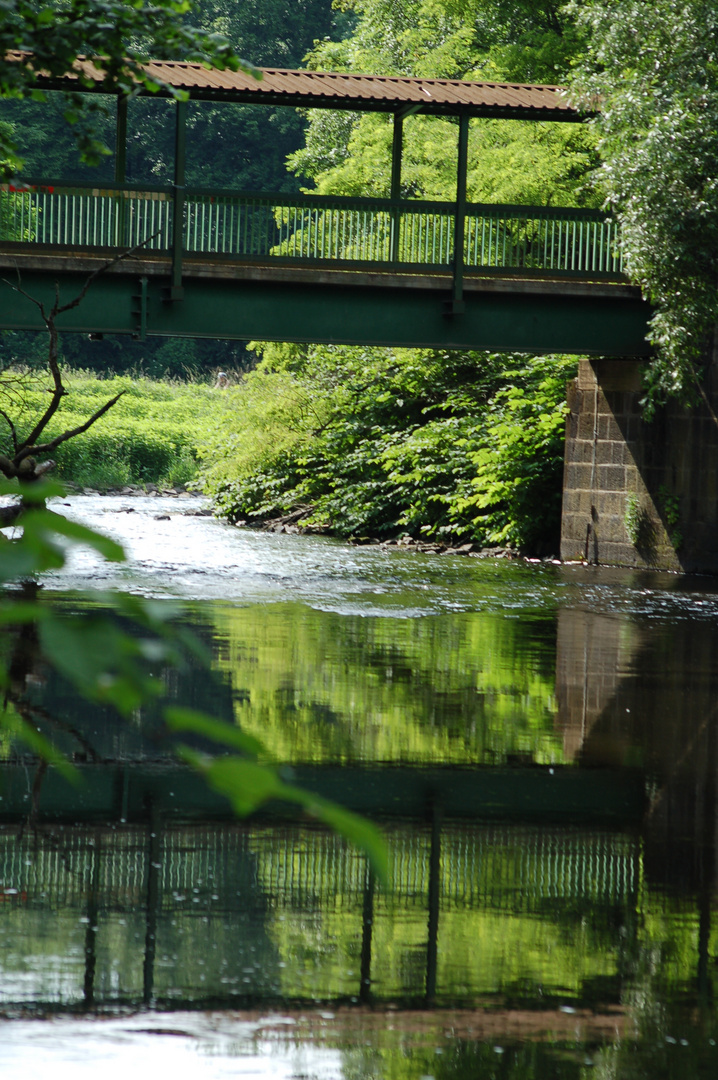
x=311 y=228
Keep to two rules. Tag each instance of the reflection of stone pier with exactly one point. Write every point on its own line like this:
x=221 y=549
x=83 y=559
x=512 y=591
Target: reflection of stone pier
x=593 y=655
x=646 y=694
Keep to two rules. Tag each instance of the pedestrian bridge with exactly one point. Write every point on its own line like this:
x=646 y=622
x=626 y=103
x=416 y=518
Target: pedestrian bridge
x=397 y=271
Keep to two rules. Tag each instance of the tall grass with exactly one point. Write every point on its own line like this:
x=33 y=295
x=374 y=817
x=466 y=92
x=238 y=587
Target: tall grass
x=149 y=436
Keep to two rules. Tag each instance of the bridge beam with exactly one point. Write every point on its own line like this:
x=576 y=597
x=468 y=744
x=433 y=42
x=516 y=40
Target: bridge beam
x=334 y=307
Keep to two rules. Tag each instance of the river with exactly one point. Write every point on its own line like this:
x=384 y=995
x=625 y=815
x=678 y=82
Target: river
x=538 y=742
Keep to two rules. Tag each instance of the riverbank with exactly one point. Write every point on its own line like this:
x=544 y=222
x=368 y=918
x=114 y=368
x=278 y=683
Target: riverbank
x=288 y=528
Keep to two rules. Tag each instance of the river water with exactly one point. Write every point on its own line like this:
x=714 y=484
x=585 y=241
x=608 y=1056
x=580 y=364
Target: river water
x=537 y=741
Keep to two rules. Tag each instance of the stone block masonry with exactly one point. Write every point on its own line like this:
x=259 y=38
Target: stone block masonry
x=635 y=493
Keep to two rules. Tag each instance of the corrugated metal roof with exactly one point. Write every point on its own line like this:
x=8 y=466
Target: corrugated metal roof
x=334 y=90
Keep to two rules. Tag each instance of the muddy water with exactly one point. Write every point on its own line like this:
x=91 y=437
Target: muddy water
x=539 y=742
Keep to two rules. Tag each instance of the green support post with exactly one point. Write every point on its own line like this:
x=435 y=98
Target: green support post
x=121 y=141
x=153 y=901
x=92 y=925
x=121 y=170
x=366 y=937
x=176 y=290
x=395 y=194
x=434 y=898
x=456 y=304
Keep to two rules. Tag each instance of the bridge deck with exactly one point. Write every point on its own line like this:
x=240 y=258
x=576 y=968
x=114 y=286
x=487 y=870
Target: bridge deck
x=351 y=271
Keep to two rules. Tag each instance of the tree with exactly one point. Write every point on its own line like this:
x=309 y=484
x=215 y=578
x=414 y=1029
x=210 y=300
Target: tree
x=118 y=34
x=654 y=70
x=509 y=161
x=22 y=461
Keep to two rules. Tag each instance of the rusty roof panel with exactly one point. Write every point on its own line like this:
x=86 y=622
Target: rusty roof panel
x=321 y=89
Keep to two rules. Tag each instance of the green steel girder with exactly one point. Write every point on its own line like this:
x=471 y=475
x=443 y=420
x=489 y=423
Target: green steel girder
x=535 y=317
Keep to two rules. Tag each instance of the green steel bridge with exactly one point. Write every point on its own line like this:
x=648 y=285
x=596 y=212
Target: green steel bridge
x=181 y=261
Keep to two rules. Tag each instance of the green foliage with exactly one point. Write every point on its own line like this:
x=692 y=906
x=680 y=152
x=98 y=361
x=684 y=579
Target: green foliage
x=123 y=32
x=441 y=445
x=457 y=447
x=228 y=146
x=150 y=435
x=639 y=526
x=519 y=461
x=654 y=69
x=157 y=357
x=670 y=507
x=515 y=162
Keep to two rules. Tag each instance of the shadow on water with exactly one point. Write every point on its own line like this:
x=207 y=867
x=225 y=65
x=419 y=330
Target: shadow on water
x=543 y=760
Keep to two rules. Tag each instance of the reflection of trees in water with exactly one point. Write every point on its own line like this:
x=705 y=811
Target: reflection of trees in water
x=86 y=730
x=318 y=686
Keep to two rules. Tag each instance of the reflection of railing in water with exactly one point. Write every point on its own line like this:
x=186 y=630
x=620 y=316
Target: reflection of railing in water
x=313 y=867
x=505 y=868
x=417 y=234
x=163 y=899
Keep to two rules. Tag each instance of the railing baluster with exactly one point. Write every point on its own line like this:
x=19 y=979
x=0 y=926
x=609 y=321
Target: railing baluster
x=513 y=238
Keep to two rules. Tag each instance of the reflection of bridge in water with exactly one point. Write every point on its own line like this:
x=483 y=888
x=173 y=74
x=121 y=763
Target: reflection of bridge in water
x=146 y=856
x=138 y=886
x=373 y=270
x=249 y=914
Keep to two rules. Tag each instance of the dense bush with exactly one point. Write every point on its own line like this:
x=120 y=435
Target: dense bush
x=449 y=446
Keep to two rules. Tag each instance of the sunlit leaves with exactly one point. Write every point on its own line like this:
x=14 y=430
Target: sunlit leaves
x=191 y=720
x=447 y=446
x=514 y=162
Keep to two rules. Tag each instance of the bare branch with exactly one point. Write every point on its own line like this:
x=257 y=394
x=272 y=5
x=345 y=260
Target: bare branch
x=27 y=450
x=59 y=309
x=13 y=432
x=101 y=270
x=26 y=446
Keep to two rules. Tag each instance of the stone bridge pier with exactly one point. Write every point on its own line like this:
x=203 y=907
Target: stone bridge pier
x=636 y=493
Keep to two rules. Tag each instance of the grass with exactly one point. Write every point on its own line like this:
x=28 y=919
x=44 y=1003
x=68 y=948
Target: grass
x=149 y=436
